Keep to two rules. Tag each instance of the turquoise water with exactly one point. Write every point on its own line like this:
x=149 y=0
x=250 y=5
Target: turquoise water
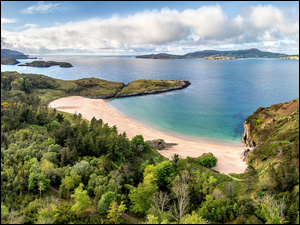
x=212 y=109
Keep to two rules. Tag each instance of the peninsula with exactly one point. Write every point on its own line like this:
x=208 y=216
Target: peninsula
x=50 y=88
x=214 y=54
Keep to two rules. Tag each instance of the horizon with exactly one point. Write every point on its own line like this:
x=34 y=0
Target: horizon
x=98 y=54
x=139 y=28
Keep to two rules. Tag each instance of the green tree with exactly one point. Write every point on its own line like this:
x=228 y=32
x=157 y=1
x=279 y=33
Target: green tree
x=166 y=174
x=141 y=195
x=193 y=218
x=82 y=200
x=70 y=182
x=271 y=210
x=105 y=201
x=48 y=214
x=115 y=212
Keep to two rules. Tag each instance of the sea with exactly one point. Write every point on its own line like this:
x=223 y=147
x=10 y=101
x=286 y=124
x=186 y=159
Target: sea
x=213 y=109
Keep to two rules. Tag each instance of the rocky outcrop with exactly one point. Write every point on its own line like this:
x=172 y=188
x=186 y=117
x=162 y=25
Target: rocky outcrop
x=246 y=138
x=183 y=84
x=160 y=144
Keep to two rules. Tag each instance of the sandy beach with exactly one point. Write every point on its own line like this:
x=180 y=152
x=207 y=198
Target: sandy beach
x=229 y=157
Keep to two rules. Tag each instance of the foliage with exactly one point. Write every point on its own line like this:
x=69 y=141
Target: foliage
x=82 y=200
x=207 y=160
x=43 y=150
x=115 y=211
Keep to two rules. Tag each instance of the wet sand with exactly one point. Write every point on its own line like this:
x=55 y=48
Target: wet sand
x=229 y=157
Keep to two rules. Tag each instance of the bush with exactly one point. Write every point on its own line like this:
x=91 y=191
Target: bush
x=207 y=160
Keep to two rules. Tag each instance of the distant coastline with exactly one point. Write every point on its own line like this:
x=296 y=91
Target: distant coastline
x=221 y=55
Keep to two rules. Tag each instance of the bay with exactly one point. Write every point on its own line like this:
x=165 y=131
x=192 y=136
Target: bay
x=212 y=109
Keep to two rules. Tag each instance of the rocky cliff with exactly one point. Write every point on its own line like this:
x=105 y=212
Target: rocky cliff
x=246 y=137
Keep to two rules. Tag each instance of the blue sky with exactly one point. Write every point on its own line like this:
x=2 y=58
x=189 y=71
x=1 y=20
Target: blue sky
x=142 y=27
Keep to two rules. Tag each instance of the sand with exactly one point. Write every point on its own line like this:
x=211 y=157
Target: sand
x=229 y=157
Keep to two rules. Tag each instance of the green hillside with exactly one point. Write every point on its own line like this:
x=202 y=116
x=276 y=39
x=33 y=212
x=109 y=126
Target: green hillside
x=59 y=168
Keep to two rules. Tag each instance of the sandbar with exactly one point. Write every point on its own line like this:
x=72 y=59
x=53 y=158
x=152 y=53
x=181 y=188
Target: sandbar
x=229 y=157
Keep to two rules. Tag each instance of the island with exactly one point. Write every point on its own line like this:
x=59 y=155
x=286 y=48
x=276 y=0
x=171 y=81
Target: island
x=214 y=54
x=9 y=61
x=47 y=64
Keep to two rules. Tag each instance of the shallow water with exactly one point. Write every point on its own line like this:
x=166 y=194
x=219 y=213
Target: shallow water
x=213 y=108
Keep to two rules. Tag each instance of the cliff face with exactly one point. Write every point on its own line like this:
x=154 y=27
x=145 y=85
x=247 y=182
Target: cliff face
x=246 y=137
x=278 y=122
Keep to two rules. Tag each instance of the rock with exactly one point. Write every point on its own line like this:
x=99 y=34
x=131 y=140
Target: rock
x=246 y=138
x=160 y=144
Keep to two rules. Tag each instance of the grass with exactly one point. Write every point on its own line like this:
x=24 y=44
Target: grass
x=148 y=85
x=49 y=89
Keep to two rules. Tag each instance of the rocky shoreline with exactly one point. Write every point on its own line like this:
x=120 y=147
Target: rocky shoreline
x=246 y=138
x=183 y=84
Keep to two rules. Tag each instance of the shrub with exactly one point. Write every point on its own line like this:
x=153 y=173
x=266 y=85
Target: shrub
x=207 y=160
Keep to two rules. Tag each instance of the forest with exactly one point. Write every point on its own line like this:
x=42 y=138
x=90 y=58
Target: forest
x=58 y=168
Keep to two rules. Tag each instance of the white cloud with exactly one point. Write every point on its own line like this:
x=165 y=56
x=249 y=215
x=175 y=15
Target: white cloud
x=165 y=30
x=6 y=20
x=43 y=8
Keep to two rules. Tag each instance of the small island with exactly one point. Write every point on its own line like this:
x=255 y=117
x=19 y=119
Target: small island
x=47 y=64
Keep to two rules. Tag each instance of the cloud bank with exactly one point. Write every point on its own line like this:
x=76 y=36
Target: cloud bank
x=267 y=27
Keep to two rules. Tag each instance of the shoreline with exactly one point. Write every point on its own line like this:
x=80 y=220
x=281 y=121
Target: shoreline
x=211 y=142
x=229 y=157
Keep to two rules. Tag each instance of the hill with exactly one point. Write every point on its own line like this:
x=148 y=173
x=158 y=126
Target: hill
x=59 y=168
x=250 y=53
x=14 y=54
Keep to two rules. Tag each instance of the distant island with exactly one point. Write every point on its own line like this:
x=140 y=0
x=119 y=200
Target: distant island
x=221 y=55
x=9 y=57
x=47 y=64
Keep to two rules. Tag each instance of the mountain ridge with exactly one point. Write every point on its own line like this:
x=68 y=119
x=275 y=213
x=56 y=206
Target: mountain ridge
x=249 y=53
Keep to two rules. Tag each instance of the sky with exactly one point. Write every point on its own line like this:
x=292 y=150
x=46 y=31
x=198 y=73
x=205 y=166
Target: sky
x=144 y=27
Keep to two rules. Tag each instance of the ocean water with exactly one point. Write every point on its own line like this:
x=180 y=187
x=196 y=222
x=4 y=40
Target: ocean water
x=212 y=109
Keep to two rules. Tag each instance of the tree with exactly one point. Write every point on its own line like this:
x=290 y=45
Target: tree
x=160 y=200
x=271 y=210
x=193 y=218
x=70 y=181
x=166 y=174
x=82 y=200
x=141 y=195
x=48 y=214
x=115 y=211
x=105 y=201
x=181 y=192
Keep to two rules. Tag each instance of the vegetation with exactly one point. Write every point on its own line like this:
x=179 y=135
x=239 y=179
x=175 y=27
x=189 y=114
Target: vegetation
x=46 y=64
x=9 y=61
x=148 y=85
x=214 y=54
x=207 y=160
x=59 y=168
x=14 y=54
x=48 y=88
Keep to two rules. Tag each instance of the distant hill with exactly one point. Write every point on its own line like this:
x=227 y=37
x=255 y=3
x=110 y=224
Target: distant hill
x=250 y=53
x=14 y=54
